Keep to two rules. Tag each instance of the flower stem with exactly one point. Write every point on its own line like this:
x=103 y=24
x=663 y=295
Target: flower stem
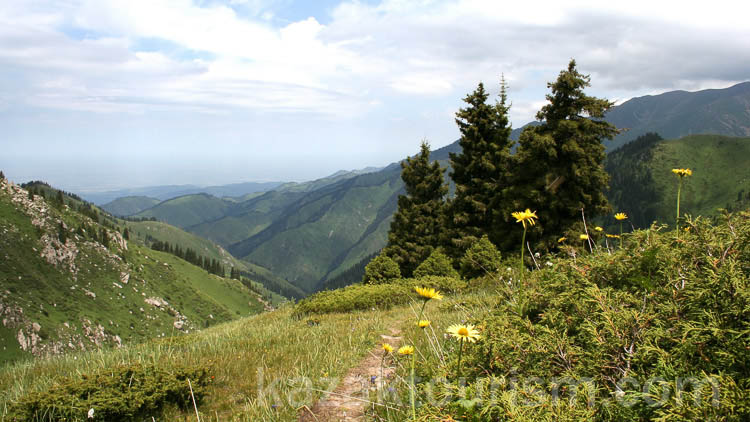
x=413 y=364
x=679 y=190
x=413 y=387
x=523 y=242
x=620 y=234
x=460 y=354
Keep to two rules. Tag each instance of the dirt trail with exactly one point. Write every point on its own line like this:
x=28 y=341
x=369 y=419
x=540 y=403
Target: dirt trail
x=347 y=402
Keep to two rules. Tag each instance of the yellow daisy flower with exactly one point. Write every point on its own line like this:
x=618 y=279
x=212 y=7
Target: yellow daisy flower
x=406 y=350
x=612 y=236
x=428 y=293
x=584 y=237
x=599 y=229
x=524 y=216
x=387 y=348
x=466 y=332
x=621 y=216
x=423 y=323
x=562 y=239
x=682 y=172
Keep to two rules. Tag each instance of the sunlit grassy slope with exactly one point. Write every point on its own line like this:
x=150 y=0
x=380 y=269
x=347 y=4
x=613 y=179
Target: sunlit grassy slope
x=643 y=185
x=60 y=296
x=259 y=364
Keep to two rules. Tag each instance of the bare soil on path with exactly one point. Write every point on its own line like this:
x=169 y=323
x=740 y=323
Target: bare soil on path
x=347 y=403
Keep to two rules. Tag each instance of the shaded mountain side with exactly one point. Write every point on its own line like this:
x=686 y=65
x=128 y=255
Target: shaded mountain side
x=322 y=226
x=129 y=205
x=70 y=281
x=643 y=186
x=369 y=243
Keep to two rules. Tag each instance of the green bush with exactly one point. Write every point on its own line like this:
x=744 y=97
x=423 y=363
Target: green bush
x=437 y=264
x=124 y=393
x=658 y=330
x=381 y=270
x=480 y=259
x=368 y=296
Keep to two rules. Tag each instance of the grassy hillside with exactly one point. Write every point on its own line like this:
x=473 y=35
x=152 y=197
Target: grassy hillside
x=643 y=186
x=145 y=232
x=68 y=283
x=129 y=205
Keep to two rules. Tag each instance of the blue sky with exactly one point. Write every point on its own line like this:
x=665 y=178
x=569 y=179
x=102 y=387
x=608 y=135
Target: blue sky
x=105 y=94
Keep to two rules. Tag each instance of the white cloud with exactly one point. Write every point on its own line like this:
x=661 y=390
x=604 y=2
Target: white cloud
x=343 y=74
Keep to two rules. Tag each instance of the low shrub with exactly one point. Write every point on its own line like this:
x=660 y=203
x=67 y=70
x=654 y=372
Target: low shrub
x=657 y=330
x=480 y=259
x=368 y=296
x=124 y=393
x=437 y=264
x=382 y=269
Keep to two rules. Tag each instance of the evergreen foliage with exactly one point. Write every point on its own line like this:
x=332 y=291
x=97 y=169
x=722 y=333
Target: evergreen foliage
x=482 y=172
x=437 y=264
x=480 y=259
x=2 y=175
x=560 y=160
x=126 y=234
x=381 y=270
x=416 y=225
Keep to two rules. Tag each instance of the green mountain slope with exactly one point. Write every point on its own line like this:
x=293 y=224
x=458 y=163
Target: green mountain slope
x=325 y=229
x=129 y=205
x=643 y=186
x=188 y=210
x=68 y=283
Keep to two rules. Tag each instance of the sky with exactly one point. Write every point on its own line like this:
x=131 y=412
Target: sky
x=106 y=94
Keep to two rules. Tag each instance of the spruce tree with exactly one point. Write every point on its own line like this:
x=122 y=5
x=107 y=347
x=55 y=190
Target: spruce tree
x=416 y=226
x=561 y=160
x=481 y=172
x=2 y=175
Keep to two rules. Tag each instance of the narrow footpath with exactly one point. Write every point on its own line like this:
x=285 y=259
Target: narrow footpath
x=348 y=402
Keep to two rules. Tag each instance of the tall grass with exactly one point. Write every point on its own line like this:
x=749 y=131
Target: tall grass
x=264 y=367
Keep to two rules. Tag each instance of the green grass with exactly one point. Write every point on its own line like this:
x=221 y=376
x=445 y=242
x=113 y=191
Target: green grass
x=259 y=364
x=204 y=247
x=60 y=298
x=644 y=187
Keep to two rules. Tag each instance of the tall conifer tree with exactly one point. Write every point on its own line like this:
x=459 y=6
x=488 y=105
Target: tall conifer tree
x=416 y=226
x=560 y=160
x=481 y=172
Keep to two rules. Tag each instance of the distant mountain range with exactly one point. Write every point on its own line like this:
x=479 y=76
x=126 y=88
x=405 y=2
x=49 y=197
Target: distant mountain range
x=163 y=193
x=311 y=232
